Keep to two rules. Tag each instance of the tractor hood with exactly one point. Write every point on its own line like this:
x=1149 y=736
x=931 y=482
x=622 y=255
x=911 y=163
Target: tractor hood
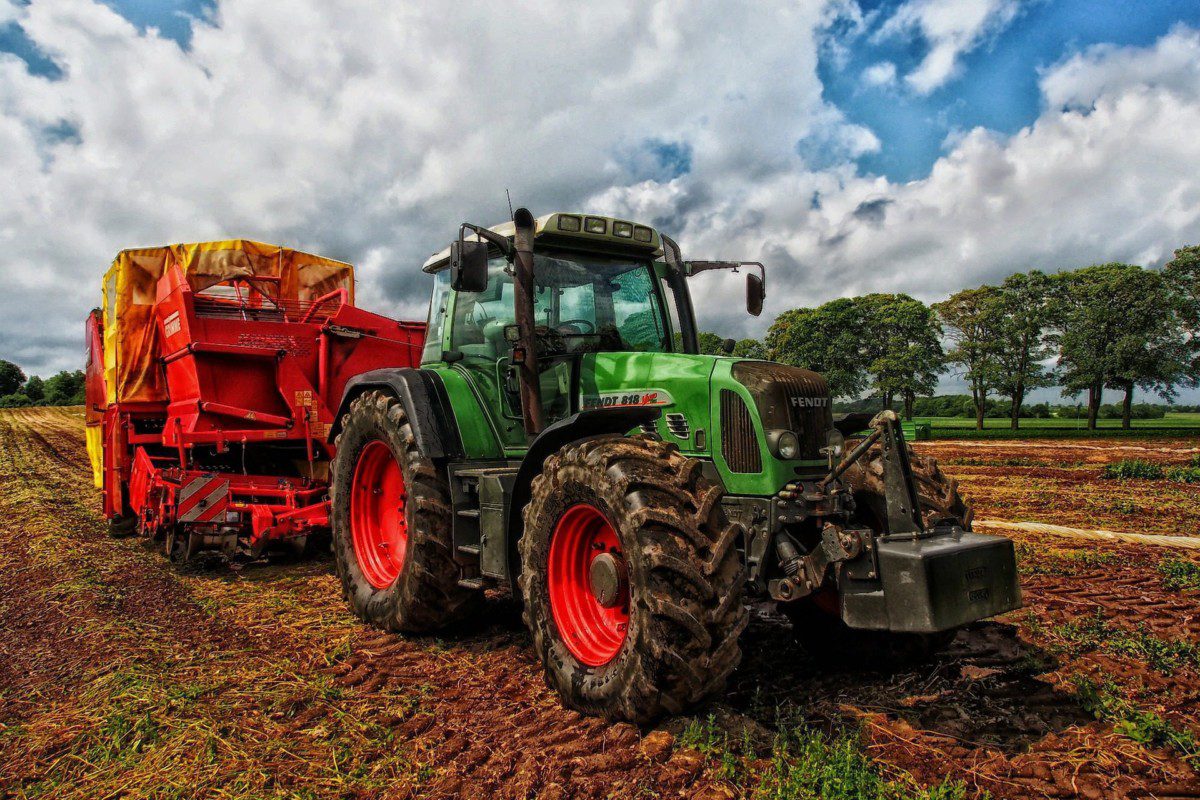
x=720 y=408
x=677 y=383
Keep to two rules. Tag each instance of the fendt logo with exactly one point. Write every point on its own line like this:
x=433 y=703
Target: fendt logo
x=809 y=402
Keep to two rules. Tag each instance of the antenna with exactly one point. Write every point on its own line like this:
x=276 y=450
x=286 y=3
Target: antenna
x=509 y=196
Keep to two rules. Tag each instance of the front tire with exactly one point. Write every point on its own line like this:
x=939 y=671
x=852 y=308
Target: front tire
x=631 y=578
x=390 y=517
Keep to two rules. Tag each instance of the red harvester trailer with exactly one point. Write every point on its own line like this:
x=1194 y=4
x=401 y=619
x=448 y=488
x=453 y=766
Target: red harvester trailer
x=214 y=374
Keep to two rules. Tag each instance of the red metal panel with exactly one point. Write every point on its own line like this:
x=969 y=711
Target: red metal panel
x=247 y=374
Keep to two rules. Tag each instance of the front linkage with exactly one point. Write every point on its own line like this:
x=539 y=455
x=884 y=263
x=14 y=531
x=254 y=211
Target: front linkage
x=904 y=573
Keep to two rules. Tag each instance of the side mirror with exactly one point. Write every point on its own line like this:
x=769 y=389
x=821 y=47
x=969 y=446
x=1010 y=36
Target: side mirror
x=468 y=266
x=755 y=294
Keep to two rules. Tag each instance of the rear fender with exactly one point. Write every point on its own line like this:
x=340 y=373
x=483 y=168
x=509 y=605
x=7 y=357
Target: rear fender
x=425 y=403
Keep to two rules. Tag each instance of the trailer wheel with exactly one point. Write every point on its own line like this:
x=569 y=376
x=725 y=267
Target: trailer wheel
x=631 y=578
x=123 y=527
x=390 y=517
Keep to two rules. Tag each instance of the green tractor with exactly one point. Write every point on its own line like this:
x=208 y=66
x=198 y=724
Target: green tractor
x=564 y=440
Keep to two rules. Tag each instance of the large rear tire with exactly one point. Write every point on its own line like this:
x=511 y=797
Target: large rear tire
x=631 y=578
x=390 y=517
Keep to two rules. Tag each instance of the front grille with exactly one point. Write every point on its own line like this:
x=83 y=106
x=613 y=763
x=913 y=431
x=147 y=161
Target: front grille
x=789 y=398
x=739 y=443
x=808 y=422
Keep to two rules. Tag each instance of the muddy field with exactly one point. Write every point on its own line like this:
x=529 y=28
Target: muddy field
x=123 y=677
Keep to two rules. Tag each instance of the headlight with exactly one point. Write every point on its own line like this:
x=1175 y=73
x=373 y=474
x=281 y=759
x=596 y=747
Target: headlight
x=784 y=444
x=835 y=444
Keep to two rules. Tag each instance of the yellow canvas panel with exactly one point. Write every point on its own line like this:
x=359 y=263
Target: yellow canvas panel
x=95 y=448
x=132 y=369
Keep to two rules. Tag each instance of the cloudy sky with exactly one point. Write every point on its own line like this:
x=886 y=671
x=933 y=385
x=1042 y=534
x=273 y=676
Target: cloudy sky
x=912 y=145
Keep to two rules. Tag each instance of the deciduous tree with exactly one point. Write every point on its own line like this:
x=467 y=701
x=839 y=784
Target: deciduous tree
x=11 y=377
x=828 y=339
x=35 y=389
x=970 y=319
x=1021 y=339
x=65 y=388
x=750 y=348
x=1118 y=326
x=1182 y=274
x=902 y=343
x=1152 y=352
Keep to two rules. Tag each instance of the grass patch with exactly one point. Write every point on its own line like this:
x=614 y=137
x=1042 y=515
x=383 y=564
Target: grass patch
x=994 y=462
x=1137 y=468
x=1035 y=561
x=1094 y=633
x=1179 y=575
x=806 y=764
x=1190 y=474
x=1133 y=468
x=1145 y=727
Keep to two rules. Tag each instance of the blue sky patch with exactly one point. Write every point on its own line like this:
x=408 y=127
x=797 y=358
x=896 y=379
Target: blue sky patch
x=996 y=86
x=659 y=159
x=172 y=19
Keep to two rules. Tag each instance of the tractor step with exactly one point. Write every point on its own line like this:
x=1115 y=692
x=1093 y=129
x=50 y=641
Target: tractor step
x=469 y=549
x=468 y=513
x=471 y=583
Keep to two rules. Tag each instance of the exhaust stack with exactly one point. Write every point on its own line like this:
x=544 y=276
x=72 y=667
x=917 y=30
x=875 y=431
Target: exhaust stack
x=531 y=395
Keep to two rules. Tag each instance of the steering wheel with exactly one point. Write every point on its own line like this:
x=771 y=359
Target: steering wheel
x=580 y=323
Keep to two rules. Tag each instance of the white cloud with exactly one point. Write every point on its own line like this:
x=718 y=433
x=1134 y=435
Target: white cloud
x=1106 y=69
x=368 y=131
x=881 y=74
x=950 y=29
x=1113 y=181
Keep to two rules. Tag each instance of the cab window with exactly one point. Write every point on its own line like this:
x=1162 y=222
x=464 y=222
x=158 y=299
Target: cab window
x=581 y=304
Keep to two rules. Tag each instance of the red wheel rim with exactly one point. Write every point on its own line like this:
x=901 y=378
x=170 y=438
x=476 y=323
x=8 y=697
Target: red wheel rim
x=378 y=527
x=593 y=632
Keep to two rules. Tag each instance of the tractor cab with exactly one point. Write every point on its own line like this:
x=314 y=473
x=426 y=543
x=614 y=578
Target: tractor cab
x=604 y=295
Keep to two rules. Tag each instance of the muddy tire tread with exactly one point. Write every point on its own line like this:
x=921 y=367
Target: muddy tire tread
x=426 y=596
x=687 y=583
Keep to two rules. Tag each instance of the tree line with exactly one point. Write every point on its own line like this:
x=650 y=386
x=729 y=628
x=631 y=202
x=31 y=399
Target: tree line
x=65 y=388
x=1103 y=327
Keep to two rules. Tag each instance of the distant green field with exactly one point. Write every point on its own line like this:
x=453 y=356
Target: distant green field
x=1173 y=424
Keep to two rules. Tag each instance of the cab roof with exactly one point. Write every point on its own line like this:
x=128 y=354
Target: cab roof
x=579 y=230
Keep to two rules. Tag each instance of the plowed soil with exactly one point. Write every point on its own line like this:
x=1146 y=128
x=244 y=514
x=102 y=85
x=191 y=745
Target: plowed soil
x=122 y=676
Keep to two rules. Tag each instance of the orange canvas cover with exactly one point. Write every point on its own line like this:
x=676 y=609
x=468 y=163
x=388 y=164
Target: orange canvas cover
x=131 y=366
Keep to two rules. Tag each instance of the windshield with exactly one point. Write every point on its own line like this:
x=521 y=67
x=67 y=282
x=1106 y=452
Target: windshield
x=581 y=304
